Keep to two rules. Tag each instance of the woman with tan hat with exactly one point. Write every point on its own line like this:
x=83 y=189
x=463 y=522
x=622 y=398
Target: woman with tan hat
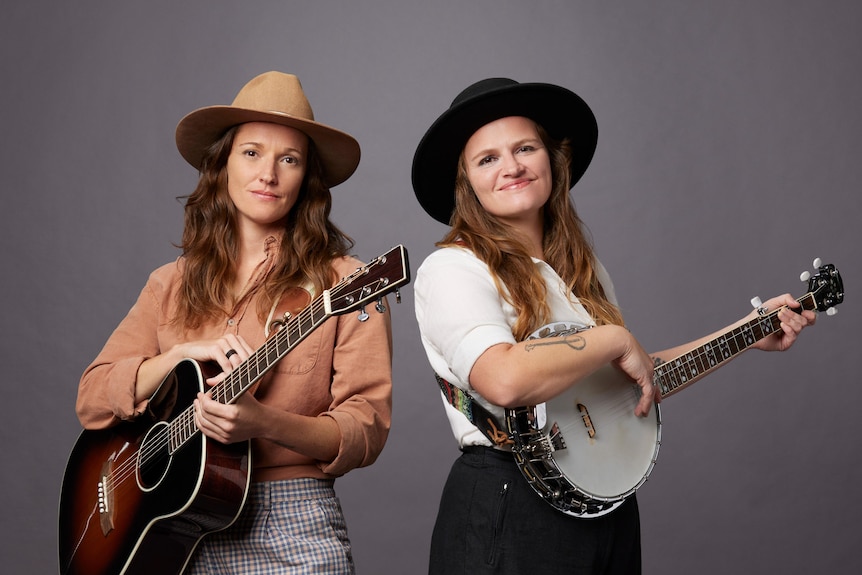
x=515 y=310
x=257 y=243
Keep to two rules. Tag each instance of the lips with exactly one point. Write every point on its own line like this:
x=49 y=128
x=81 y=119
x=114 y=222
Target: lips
x=517 y=184
x=264 y=194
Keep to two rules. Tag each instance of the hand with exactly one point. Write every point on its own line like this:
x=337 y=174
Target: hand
x=792 y=323
x=639 y=367
x=229 y=423
x=228 y=352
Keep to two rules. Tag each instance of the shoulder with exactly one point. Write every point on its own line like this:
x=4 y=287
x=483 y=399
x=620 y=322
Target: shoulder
x=453 y=268
x=451 y=256
x=346 y=265
x=167 y=277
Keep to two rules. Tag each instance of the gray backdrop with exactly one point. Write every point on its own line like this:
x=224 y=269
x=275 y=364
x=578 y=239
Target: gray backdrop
x=728 y=158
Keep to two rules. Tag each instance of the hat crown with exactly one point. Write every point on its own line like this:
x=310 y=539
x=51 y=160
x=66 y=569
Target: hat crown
x=482 y=87
x=275 y=93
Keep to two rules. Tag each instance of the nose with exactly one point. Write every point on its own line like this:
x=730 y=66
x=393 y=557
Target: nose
x=268 y=173
x=512 y=165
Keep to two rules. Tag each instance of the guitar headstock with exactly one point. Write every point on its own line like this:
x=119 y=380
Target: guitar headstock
x=825 y=287
x=383 y=274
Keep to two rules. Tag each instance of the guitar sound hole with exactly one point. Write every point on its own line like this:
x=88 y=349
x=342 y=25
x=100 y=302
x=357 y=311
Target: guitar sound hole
x=154 y=457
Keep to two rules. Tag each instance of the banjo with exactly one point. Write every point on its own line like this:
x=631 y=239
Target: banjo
x=584 y=451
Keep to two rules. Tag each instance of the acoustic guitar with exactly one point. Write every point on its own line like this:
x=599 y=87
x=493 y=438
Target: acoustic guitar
x=138 y=497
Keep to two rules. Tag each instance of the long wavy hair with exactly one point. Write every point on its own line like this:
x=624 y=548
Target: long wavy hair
x=566 y=245
x=210 y=241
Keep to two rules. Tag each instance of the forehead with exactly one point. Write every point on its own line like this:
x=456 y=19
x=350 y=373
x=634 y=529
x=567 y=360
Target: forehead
x=267 y=132
x=503 y=131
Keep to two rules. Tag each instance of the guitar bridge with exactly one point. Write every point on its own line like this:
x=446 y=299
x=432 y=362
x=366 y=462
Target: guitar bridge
x=106 y=498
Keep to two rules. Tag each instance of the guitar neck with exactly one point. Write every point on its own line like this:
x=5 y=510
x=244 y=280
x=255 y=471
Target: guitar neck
x=249 y=372
x=684 y=370
x=372 y=281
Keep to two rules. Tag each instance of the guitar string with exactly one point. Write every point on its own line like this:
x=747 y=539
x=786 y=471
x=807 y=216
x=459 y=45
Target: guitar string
x=154 y=450
x=185 y=421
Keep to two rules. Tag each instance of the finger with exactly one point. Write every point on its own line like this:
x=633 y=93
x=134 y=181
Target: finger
x=646 y=399
x=241 y=347
x=221 y=357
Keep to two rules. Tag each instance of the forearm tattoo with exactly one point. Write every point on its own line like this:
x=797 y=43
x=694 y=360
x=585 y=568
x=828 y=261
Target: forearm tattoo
x=575 y=342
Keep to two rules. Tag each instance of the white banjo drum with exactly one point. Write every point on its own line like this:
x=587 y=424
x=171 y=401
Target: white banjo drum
x=585 y=451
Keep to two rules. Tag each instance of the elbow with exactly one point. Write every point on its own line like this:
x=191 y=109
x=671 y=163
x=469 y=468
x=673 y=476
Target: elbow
x=503 y=389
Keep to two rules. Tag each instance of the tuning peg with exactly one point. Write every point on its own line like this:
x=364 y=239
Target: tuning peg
x=379 y=305
x=362 y=315
x=817 y=263
x=758 y=305
x=831 y=311
x=804 y=276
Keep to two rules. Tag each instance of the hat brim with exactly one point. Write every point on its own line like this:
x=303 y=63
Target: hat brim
x=339 y=152
x=561 y=112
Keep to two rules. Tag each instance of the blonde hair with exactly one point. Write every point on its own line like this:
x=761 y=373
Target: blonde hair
x=211 y=243
x=566 y=245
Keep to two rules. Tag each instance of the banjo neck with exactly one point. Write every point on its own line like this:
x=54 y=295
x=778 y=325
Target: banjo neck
x=676 y=374
x=589 y=452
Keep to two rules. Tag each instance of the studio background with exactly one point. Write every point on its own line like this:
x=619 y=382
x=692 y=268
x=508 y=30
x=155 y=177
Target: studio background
x=730 y=137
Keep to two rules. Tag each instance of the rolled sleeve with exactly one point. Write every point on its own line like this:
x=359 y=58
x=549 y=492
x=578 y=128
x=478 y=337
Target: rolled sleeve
x=469 y=314
x=361 y=390
x=106 y=392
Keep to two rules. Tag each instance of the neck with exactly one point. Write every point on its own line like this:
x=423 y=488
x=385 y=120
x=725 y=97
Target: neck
x=533 y=237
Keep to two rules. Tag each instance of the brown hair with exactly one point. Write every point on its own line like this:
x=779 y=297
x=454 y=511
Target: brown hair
x=210 y=240
x=567 y=248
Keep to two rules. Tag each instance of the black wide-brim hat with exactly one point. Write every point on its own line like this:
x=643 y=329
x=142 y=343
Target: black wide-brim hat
x=561 y=112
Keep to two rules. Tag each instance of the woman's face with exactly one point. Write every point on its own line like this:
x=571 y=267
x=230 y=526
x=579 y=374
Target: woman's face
x=265 y=169
x=509 y=169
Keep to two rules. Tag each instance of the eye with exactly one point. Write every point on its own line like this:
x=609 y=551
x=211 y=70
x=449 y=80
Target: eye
x=250 y=153
x=289 y=160
x=486 y=160
x=526 y=148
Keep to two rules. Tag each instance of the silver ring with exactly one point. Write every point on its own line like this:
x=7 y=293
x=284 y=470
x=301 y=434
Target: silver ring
x=229 y=353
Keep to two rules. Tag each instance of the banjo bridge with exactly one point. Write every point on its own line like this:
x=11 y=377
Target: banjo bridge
x=556 y=438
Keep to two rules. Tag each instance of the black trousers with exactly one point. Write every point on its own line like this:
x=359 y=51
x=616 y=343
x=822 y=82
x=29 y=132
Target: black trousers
x=491 y=521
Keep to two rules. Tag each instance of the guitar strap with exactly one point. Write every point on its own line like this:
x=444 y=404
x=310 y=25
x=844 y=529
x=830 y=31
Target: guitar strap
x=475 y=413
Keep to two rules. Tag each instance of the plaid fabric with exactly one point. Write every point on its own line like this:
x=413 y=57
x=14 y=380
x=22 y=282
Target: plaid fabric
x=290 y=527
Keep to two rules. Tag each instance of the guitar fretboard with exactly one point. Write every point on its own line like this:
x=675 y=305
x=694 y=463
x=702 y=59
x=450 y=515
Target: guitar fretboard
x=676 y=374
x=251 y=370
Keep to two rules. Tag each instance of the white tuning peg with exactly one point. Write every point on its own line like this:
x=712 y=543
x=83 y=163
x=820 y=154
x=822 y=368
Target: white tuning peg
x=804 y=276
x=817 y=263
x=758 y=305
x=831 y=311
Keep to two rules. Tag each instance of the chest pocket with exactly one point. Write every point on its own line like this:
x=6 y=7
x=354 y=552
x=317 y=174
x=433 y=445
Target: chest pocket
x=302 y=358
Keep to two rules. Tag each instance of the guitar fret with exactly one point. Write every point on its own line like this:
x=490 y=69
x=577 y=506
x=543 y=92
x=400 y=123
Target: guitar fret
x=292 y=332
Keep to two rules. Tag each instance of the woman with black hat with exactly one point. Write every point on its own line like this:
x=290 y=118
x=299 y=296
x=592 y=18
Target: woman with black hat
x=257 y=243
x=497 y=167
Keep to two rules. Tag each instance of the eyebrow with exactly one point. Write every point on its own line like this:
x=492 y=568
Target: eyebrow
x=289 y=149
x=493 y=150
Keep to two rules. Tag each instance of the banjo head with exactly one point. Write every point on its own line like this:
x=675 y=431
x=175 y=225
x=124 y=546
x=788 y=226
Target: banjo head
x=585 y=451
